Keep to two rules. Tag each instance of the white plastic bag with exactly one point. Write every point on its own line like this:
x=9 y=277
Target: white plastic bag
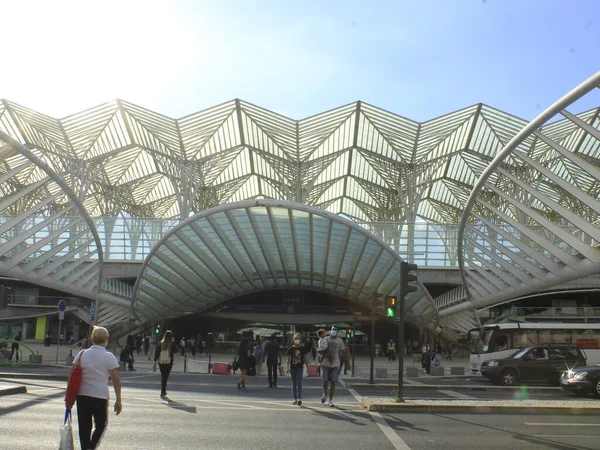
x=66 y=433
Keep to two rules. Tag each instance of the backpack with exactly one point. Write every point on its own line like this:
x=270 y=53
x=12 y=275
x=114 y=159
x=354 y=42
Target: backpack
x=164 y=357
x=234 y=365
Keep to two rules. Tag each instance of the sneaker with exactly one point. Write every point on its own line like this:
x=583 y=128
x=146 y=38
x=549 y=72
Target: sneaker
x=163 y=395
x=274 y=385
x=324 y=398
x=295 y=402
x=331 y=404
x=299 y=402
x=271 y=386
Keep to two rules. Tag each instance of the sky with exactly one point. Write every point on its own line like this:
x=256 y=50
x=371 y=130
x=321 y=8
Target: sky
x=419 y=59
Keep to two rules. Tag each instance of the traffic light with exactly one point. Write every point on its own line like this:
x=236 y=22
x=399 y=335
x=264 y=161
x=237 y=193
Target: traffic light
x=349 y=333
x=391 y=307
x=157 y=329
x=406 y=278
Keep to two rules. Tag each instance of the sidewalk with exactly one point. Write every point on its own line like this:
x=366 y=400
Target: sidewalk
x=383 y=370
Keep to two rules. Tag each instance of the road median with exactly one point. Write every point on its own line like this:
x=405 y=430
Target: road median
x=462 y=406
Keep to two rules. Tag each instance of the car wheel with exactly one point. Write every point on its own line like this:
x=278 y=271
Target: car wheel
x=596 y=387
x=509 y=377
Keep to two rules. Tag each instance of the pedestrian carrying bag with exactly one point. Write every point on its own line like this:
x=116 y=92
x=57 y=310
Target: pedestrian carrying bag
x=164 y=357
x=74 y=382
x=66 y=433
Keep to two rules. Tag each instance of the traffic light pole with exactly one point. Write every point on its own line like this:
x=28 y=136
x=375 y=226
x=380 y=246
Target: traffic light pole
x=406 y=278
x=401 y=350
x=353 y=345
x=372 y=339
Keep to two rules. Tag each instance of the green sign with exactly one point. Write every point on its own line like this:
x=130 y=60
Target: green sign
x=390 y=312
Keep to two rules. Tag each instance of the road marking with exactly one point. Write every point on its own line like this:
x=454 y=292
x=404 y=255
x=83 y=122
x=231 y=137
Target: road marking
x=534 y=424
x=456 y=394
x=388 y=431
x=564 y=436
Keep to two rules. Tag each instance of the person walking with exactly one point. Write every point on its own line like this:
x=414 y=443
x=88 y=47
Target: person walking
x=152 y=350
x=182 y=346
x=273 y=360
x=259 y=353
x=331 y=364
x=146 y=344
x=127 y=357
x=97 y=365
x=164 y=356
x=243 y=361
x=296 y=359
x=391 y=351
x=14 y=348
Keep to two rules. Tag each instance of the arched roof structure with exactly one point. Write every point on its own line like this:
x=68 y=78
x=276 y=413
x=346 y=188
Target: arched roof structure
x=357 y=160
x=257 y=245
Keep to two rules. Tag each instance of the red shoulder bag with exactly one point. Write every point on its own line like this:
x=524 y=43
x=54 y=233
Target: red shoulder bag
x=74 y=383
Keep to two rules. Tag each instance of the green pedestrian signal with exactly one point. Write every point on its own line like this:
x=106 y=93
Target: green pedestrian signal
x=390 y=307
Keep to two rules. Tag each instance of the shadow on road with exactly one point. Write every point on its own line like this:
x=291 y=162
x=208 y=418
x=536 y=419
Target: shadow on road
x=337 y=414
x=180 y=405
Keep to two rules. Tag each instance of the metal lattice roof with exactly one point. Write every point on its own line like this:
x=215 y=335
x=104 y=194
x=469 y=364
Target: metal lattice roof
x=357 y=160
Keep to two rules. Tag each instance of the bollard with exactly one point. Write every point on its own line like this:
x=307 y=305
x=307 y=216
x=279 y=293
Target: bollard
x=185 y=364
x=209 y=363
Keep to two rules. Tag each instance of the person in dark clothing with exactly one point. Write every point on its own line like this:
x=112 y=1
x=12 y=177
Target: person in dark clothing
x=130 y=340
x=164 y=356
x=14 y=348
x=243 y=361
x=273 y=359
x=127 y=356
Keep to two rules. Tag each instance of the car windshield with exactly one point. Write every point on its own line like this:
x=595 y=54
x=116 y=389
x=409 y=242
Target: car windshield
x=521 y=353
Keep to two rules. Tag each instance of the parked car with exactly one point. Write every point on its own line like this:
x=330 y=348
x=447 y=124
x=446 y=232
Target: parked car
x=582 y=380
x=542 y=363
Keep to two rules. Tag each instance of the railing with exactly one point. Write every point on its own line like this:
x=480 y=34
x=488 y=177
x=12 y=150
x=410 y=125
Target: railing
x=425 y=244
x=541 y=313
x=49 y=301
x=456 y=295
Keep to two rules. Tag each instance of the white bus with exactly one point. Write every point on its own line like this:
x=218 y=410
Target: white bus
x=498 y=341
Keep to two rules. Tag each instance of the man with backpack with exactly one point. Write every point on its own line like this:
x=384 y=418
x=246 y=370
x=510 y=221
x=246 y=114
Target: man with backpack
x=273 y=359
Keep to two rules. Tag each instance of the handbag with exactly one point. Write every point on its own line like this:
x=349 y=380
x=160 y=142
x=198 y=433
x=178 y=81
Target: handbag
x=66 y=433
x=74 y=383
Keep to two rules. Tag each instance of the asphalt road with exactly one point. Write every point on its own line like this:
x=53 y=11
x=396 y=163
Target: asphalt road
x=497 y=432
x=202 y=412
x=208 y=412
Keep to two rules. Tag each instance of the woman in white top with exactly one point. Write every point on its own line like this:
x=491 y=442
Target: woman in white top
x=92 y=402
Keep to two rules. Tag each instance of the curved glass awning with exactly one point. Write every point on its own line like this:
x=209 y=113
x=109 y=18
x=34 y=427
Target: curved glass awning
x=254 y=245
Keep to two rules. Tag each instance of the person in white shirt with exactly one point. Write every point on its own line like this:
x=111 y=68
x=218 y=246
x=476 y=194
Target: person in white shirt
x=97 y=365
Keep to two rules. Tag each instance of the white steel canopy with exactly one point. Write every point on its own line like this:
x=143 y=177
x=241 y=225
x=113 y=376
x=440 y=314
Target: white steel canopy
x=256 y=245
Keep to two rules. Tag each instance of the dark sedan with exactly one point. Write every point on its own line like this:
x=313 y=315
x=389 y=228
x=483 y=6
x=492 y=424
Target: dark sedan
x=582 y=380
x=543 y=363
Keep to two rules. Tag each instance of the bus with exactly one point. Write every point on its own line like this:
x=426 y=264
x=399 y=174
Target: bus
x=498 y=341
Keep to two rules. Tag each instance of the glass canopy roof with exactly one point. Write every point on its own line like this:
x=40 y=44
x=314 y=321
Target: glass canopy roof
x=357 y=160
x=252 y=246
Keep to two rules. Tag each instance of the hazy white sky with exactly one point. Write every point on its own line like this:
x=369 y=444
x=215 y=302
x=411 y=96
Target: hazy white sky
x=420 y=59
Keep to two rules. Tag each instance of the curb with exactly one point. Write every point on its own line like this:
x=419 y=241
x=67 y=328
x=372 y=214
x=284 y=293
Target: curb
x=475 y=409
x=462 y=387
x=13 y=390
